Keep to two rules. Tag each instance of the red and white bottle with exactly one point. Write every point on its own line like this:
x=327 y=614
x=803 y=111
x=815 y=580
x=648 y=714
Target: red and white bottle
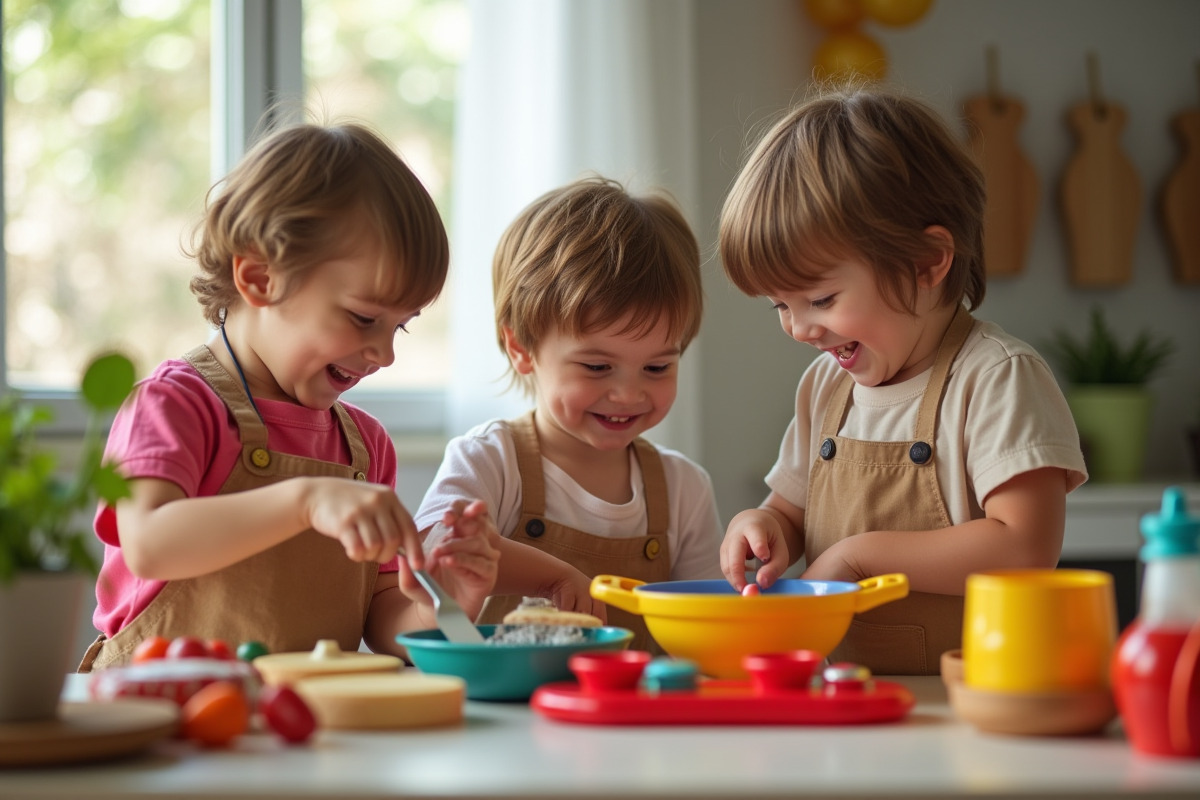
x=1156 y=664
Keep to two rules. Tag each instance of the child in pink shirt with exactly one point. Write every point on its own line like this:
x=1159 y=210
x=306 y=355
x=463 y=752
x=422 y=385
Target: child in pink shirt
x=264 y=508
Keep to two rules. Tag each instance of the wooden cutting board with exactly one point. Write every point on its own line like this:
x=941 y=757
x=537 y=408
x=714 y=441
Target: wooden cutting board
x=1012 y=184
x=88 y=732
x=1181 y=200
x=1101 y=198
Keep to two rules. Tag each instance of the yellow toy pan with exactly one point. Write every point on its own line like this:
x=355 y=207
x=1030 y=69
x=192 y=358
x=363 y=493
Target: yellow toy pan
x=711 y=624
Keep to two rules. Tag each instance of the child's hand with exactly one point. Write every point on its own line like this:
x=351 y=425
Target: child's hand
x=463 y=555
x=754 y=533
x=367 y=518
x=572 y=592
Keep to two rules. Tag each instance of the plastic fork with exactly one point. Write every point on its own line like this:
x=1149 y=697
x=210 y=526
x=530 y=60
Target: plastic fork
x=451 y=619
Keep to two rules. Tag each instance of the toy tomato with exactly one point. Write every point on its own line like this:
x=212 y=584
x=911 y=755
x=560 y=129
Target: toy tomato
x=219 y=648
x=187 y=647
x=286 y=713
x=150 y=648
x=216 y=714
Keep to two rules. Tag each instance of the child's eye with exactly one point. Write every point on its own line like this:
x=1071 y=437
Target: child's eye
x=594 y=367
x=780 y=306
x=362 y=320
x=658 y=369
x=824 y=302
x=401 y=327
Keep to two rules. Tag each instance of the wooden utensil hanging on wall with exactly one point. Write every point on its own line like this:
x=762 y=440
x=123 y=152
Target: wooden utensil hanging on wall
x=1101 y=194
x=1181 y=198
x=1012 y=183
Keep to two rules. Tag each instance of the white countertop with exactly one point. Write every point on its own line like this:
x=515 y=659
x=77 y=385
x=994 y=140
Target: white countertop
x=509 y=751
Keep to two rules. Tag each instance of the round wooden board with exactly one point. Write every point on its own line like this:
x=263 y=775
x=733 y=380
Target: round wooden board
x=88 y=732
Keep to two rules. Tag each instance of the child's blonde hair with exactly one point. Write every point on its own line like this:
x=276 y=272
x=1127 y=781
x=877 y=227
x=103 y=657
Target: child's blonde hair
x=307 y=194
x=589 y=254
x=855 y=172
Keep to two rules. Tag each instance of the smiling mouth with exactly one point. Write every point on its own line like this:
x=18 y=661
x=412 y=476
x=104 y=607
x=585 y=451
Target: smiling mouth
x=614 y=420
x=844 y=352
x=339 y=376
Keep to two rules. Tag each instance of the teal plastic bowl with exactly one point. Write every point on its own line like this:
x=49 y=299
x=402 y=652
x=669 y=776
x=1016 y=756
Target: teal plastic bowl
x=505 y=671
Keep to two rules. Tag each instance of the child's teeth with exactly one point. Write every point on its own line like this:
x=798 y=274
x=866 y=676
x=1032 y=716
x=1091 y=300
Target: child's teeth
x=617 y=419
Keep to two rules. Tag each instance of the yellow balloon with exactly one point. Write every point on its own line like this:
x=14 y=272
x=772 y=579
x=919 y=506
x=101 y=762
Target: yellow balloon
x=896 y=12
x=835 y=14
x=848 y=54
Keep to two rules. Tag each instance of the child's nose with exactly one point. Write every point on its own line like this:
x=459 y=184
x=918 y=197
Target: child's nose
x=626 y=391
x=381 y=350
x=804 y=331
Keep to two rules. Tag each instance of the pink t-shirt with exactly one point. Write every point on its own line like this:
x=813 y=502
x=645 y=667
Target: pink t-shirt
x=176 y=428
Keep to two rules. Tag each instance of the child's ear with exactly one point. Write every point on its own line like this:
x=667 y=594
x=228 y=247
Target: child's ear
x=521 y=358
x=252 y=277
x=931 y=273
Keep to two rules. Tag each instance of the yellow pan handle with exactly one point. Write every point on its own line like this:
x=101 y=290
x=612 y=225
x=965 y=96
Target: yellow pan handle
x=876 y=591
x=617 y=592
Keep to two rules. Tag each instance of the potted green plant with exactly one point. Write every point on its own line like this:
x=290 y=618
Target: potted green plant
x=45 y=562
x=1108 y=394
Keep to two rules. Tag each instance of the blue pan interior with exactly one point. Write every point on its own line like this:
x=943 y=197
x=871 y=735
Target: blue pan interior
x=786 y=586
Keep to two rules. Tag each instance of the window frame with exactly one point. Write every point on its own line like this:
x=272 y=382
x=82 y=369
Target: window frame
x=257 y=59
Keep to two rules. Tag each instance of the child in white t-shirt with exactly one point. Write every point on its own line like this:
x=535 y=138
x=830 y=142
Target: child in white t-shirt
x=597 y=295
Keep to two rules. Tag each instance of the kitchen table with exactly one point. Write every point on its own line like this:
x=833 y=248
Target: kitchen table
x=505 y=750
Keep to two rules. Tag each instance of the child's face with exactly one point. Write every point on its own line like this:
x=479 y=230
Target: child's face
x=328 y=334
x=844 y=314
x=603 y=389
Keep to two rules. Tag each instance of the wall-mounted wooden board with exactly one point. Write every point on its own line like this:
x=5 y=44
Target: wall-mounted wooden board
x=1101 y=198
x=1181 y=201
x=1012 y=183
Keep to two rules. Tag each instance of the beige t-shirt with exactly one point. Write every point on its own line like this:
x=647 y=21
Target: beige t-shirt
x=1002 y=414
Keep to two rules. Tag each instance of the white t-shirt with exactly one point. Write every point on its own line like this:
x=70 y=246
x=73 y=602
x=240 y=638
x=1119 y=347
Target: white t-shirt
x=1002 y=414
x=482 y=464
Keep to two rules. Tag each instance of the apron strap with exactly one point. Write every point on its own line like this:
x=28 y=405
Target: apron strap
x=251 y=430
x=952 y=342
x=529 y=466
x=654 y=488
x=360 y=459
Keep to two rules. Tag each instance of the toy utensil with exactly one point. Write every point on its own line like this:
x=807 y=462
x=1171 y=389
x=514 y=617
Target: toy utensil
x=452 y=620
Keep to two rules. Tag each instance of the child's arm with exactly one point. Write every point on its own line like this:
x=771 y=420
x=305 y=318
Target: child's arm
x=1023 y=528
x=772 y=533
x=166 y=535
x=530 y=572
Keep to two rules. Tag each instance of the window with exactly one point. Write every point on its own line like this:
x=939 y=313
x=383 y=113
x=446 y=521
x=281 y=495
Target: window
x=118 y=116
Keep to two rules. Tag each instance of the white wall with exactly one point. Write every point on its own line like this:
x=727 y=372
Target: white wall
x=754 y=59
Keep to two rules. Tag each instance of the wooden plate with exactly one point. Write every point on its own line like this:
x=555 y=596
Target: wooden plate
x=88 y=732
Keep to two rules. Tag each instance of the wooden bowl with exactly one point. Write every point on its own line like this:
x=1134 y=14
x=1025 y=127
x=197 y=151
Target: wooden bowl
x=1062 y=713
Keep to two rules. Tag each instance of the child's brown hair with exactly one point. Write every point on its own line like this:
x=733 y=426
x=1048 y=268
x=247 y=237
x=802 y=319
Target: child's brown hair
x=855 y=172
x=306 y=194
x=589 y=254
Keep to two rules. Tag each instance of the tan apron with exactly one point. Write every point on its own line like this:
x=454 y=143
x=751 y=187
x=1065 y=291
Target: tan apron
x=645 y=558
x=858 y=486
x=287 y=597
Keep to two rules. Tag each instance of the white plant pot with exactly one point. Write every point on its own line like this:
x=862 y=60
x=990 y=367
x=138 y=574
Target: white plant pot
x=39 y=615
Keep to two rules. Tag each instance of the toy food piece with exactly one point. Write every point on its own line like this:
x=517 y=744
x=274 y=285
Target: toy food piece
x=327 y=658
x=384 y=700
x=751 y=590
x=540 y=611
x=216 y=715
x=667 y=674
x=175 y=679
x=286 y=713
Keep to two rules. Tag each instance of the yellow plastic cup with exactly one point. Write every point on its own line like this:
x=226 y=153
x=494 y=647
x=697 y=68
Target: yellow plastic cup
x=1038 y=630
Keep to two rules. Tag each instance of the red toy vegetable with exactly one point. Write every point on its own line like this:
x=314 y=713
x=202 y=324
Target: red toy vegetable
x=286 y=713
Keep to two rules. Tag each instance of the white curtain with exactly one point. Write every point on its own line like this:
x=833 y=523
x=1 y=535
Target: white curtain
x=551 y=90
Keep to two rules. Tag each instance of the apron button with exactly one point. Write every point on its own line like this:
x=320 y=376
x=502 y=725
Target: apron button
x=360 y=476
x=260 y=458
x=652 y=549
x=535 y=528
x=920 y=453
x=828 y=448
